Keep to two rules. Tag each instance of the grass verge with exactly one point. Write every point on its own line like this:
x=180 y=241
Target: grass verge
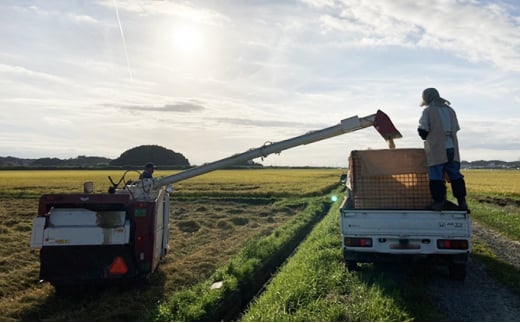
x=503 y=219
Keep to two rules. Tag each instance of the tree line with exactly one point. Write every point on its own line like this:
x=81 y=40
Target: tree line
x=135 y=157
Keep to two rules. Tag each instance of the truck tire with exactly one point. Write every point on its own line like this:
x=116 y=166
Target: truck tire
x=352 y=265
x=457 y=271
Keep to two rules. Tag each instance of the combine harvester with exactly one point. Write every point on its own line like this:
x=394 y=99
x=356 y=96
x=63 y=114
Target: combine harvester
x=123 y=234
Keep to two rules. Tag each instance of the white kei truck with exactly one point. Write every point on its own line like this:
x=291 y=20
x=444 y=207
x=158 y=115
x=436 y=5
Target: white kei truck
x=385 y=215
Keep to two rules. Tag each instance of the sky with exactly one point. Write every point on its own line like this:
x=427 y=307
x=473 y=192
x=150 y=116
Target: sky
x=210 y=79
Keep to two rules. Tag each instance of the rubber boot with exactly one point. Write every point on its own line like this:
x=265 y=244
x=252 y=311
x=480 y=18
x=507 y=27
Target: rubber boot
x=438 y=192
x=458 y=187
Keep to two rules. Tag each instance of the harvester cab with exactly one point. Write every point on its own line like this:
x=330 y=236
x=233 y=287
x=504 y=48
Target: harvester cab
x=87 y=237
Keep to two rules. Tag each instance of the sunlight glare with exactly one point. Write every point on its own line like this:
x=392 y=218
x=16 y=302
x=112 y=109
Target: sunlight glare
x=188 y=40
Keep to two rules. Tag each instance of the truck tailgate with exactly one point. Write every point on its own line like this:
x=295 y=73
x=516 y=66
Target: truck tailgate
x=405 y=223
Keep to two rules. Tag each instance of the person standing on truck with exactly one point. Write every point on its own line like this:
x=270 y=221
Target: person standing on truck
x=438 y=128
x=148 y=171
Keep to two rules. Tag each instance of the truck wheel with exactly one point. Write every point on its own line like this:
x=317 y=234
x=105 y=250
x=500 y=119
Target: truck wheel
x=457 y=271
x=352 y=265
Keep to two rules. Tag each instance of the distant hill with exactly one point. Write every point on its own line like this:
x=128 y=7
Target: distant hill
x=138 y=156
x=490 y=164
x=10 y=161
x=80 y=161
x=135 y=157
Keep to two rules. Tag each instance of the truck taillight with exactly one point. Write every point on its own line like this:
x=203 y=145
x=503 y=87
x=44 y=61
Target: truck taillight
x=452 y=244
x=118 y=267
x=358 y=242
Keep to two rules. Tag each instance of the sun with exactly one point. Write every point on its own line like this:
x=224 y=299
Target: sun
x=188 y=40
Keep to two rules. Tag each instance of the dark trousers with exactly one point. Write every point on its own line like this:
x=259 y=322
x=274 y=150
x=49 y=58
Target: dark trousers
x=437 y=175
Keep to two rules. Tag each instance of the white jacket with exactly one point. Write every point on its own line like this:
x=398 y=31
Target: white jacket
x=442 y=133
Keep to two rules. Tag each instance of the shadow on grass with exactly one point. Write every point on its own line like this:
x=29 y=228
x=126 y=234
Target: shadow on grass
x=125 y=301
x=498 y=269
x=405 y=282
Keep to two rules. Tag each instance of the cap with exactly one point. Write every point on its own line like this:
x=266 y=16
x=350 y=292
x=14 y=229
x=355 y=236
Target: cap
x=149 y=165
x=431 y=94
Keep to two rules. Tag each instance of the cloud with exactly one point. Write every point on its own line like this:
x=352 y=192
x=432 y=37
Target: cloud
x=170 y=8
x=84 y=19
x=176 y=107
x=269 y=70
x=319 y=3
x=268 y=123
x=20 y=71
x=475 y=31
x=505 y=135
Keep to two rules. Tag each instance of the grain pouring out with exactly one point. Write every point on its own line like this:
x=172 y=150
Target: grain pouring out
x=391 y=143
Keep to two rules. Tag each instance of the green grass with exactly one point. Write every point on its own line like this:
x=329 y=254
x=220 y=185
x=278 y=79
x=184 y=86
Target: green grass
x=315 y=286
x=503 y=219
x=494 y=200
x=244 y=273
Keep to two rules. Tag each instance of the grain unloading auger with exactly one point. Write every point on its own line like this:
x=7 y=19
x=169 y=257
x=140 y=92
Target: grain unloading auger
x=145 y=189
x=86 y=237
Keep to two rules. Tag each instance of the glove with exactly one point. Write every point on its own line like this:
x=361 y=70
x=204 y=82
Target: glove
x=422 y=133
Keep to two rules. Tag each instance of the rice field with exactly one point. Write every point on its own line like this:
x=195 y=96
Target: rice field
x=213 y=218
x=493 y=182
x=254 y=182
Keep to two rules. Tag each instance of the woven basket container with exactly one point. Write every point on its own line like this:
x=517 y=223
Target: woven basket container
x=389 y=179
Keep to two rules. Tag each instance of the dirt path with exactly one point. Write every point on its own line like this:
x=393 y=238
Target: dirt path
x=479 y=297
x=507 y=249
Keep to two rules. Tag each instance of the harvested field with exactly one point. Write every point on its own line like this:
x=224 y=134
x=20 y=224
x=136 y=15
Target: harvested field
x=207 y=228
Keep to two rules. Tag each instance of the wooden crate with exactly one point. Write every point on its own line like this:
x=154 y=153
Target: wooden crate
x=389 y=179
